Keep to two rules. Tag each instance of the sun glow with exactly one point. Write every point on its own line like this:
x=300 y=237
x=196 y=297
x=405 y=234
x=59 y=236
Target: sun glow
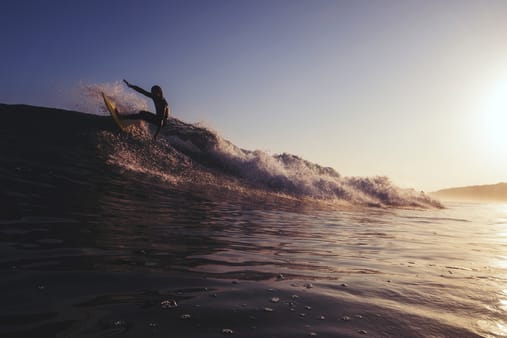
x=493 y=119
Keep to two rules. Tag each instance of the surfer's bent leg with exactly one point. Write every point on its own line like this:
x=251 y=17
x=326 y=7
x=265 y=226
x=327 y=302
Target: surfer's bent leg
x=142 y=115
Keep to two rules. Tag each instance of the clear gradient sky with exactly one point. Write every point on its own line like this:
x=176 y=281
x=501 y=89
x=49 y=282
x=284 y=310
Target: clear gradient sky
x=414 y=90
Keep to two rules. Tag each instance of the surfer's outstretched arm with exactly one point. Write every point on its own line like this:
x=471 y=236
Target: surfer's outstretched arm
x=138 y=89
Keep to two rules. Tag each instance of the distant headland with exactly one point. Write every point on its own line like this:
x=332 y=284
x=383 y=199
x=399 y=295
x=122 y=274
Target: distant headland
x=491 y=192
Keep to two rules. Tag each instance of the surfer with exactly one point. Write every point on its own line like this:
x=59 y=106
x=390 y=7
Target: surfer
x=161 y=107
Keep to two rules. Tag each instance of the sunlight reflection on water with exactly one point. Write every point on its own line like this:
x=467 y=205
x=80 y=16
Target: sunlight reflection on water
x=498 y=328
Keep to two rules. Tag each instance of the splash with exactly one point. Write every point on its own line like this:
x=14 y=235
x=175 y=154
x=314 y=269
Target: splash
x=88 y=98
x=188 y=153
x=296 y=176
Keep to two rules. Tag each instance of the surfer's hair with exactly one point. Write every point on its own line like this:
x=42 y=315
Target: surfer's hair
x=156 y=90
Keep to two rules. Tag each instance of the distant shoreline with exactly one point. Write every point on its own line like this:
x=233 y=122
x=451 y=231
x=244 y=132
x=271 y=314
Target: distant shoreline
x=488 y=192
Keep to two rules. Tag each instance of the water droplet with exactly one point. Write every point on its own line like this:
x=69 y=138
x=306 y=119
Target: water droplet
x=275 y=300
x=168 y=304
x=308 y=307
x=268 y=309
x=322 y=317
x=185 y=316
x=312 y=334
x=120 y=323
x=346 y=318
x=227 y=331
x=363 y=332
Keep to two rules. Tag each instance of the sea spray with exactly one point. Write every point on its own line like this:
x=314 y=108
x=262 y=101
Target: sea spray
x=88 y=98
x=296 y=176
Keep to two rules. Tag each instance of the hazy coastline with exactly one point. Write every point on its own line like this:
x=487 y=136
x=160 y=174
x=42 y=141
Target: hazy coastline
x=489 y=192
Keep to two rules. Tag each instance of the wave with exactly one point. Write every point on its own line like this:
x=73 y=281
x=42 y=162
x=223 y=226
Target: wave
x=190 y=157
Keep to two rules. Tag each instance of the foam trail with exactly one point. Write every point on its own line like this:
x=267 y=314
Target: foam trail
x=89 y=99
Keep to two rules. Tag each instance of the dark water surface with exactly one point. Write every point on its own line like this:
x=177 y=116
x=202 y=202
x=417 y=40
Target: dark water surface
x=259 y=272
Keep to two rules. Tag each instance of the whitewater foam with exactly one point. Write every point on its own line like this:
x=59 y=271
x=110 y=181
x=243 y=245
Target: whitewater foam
x=187 y=153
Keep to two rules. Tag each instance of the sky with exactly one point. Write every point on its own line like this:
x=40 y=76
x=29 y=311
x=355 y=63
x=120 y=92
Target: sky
x=412 y=90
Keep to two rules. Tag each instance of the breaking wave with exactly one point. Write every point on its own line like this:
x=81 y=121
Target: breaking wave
x=190 y=157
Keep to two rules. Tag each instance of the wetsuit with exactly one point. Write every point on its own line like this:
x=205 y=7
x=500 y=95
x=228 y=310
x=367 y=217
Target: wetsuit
x=161 y=107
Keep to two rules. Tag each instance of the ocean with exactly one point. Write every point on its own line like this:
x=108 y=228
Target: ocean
x=107 y=234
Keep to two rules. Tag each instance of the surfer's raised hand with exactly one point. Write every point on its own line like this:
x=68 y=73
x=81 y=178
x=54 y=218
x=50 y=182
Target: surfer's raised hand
x=127 y=83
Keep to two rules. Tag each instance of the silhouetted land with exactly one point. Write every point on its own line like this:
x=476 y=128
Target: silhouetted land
x=492 y=192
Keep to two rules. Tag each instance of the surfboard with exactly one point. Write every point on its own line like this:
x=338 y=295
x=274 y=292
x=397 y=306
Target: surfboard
x=112 y=110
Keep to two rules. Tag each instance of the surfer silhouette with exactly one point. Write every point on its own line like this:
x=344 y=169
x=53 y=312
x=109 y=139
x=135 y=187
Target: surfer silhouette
x=161 y=107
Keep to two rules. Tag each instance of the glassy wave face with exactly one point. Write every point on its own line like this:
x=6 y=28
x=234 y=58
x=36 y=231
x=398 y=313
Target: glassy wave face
x=186 y=157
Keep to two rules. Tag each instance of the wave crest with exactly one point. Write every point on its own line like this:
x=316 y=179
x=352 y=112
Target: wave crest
x=210 y=159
